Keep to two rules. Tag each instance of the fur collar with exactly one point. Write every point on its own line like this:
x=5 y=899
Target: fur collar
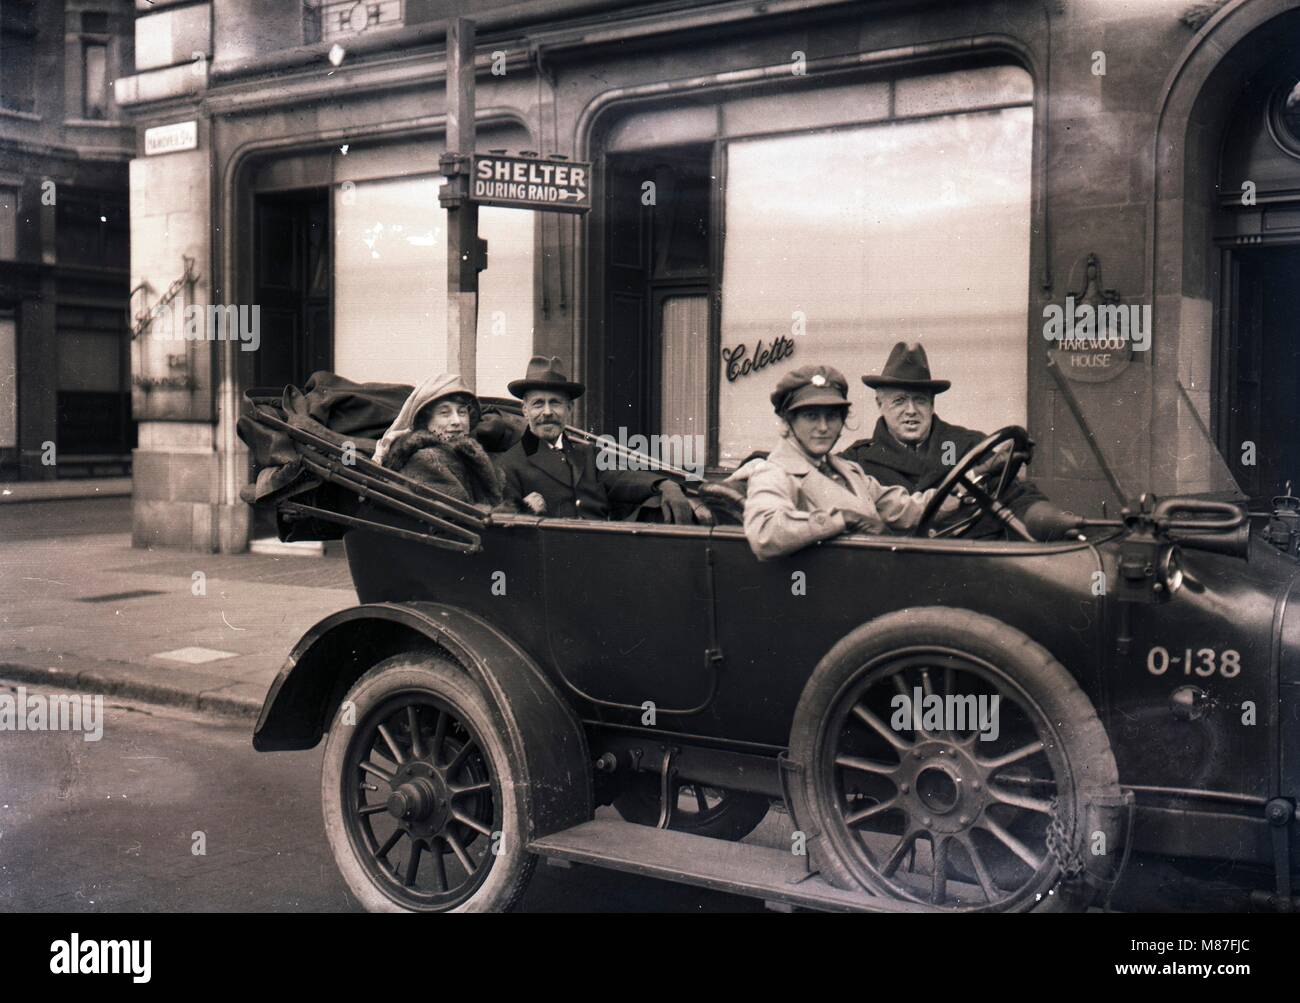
x=462 y=463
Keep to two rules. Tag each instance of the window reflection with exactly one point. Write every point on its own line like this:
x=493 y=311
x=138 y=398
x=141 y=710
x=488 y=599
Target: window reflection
x=390 y=285
x=914 y=231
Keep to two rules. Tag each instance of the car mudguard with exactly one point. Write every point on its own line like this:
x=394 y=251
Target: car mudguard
x=542 y=731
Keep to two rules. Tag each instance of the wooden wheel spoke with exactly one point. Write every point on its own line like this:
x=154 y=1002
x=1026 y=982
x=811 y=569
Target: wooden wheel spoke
x=1014 y=756
x=899 y=852
x=1021 y=800
x=412 y=864
x=372 y=809
x=982 y=874
x=389 y=843
x=866 y=813
x=900 y=683
x=377 y=771
x=459 y=758
x=413 y=722
x=456 y=792
x=466 y=861
x=470 y=821
x=887 y=733
x=865 y=766
x=939 y=865
x=399 y=757
x=1011 y=843
x=439 y=867
x=439 y=733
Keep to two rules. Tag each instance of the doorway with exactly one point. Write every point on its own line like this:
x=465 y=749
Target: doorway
x=658 y=279
x=1261 y=371
x=292 y=286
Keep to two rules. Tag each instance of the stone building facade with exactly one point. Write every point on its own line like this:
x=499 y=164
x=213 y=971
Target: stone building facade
x=64 y=232
x=839 y=174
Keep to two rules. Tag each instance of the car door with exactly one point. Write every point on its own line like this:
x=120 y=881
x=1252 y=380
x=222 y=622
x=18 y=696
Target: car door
x=629 y=609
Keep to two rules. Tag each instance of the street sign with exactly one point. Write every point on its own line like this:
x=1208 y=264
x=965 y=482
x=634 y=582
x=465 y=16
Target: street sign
x=531 y=183
x=171 y=138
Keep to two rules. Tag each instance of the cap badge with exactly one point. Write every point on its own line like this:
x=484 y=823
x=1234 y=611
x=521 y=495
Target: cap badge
x=819 y=380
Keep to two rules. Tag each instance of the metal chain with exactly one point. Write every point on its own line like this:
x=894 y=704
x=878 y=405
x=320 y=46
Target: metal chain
x=1060 y=844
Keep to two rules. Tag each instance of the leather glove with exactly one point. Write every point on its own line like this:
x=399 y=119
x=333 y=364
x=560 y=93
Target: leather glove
x=680 y=509
x=995 y=463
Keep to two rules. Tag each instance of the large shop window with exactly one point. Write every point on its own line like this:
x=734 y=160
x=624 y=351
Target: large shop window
x=390 y=285
x=848 y=240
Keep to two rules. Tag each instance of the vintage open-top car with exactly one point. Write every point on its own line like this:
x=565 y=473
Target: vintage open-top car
x=506 y=675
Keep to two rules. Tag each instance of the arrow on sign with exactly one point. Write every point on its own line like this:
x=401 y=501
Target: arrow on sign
x=576 y=195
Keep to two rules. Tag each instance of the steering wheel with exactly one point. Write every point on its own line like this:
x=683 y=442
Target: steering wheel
x=973 y=487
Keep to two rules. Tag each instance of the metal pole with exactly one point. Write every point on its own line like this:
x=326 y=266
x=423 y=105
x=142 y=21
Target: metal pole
x=462 y=214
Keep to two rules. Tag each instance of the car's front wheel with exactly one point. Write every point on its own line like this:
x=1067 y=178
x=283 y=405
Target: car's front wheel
x=421 y=802
x=948 y=760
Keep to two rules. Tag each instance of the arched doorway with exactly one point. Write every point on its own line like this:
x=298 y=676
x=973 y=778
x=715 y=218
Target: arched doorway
x=1210 y=363
x=1257 y=236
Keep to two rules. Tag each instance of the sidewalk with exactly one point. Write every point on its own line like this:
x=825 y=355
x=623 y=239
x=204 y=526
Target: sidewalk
x=91 y=613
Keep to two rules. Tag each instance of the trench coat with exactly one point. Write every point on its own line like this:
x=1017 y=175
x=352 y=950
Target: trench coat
x=790 y=504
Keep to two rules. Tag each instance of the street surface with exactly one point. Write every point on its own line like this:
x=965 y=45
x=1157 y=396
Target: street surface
x=110 y=826
x=70 y=517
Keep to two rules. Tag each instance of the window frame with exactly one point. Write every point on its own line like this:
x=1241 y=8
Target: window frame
x=19 y=21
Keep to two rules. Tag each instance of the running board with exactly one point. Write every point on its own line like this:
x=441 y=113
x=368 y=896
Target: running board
x=776 y=876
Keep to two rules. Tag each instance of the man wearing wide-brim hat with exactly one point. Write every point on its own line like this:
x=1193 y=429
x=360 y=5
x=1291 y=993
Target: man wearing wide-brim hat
x=546 y=474
x=914 y=448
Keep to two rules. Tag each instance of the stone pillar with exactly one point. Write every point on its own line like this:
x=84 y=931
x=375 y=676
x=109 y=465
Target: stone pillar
x=176 y=489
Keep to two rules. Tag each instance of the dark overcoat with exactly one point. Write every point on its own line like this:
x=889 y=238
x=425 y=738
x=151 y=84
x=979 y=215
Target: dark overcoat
x=890 y=462
x=570 y=481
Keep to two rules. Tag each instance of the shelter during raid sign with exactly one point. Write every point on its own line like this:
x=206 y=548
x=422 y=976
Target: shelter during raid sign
x=531 y=183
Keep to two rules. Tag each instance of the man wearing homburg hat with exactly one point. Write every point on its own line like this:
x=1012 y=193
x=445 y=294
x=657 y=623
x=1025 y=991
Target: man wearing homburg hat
x=799 y=494
x=908 y=444
x=546 y=475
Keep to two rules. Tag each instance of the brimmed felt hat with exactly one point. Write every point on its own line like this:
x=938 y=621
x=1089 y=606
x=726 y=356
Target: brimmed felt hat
x=907 y=366
x=811 y=386
x=545 y=374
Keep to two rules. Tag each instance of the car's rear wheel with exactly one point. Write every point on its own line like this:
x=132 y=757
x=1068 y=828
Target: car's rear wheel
x=976 y=804
x=421 y=801
x=697 y=808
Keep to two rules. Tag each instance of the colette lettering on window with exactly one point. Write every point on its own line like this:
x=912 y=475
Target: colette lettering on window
x=738 y=365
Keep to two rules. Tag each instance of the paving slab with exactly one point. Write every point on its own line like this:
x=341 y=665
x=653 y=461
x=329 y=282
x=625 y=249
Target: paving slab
x=91 y=612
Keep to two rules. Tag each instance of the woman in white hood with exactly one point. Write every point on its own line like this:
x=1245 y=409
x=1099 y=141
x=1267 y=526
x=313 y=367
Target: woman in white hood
x=432 y=441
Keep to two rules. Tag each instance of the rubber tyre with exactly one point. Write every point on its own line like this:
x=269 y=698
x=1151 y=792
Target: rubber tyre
x=739 y=814
x=510 y=871
x=1077 y=732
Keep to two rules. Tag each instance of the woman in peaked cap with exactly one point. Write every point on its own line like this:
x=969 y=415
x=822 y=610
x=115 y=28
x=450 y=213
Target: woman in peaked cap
x=432 y=441
x=801 y=494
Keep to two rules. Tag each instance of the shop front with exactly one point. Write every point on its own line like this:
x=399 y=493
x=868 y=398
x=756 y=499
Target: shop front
x=795 y=183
